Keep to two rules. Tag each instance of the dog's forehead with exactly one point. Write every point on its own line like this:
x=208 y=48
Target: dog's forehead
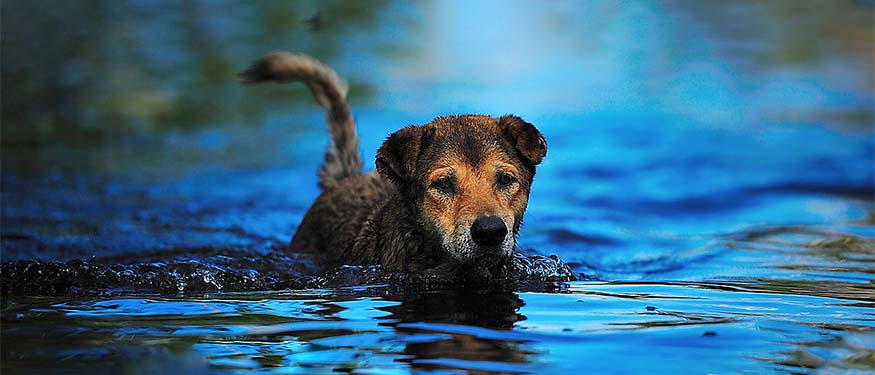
x=466 y=126
x=471 y=139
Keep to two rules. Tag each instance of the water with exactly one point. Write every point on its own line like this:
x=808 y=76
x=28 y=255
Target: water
x=597 y=326
x=710 y=172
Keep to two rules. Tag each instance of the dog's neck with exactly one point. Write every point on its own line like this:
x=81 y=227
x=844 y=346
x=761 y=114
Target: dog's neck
x=403 y=241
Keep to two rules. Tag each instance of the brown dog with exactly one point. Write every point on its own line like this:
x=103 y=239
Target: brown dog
x=447 y=198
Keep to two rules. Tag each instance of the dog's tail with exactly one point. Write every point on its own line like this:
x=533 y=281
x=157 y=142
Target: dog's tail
x=342 y=159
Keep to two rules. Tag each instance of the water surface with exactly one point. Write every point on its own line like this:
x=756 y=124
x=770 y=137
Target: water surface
x=710 y=171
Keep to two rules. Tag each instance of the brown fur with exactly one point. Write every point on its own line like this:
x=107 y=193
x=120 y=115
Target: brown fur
x=415 y=212
x=342 y=159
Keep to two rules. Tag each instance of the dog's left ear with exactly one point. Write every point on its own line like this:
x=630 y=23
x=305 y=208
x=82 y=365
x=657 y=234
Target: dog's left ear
x=525 y=137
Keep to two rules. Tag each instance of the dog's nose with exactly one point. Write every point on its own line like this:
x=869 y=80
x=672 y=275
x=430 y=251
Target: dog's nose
x=488 y=230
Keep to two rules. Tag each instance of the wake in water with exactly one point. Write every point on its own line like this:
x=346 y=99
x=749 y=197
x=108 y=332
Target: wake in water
x=208 y=270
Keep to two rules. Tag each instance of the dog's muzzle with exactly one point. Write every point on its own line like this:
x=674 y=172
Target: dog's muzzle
x=488 y=231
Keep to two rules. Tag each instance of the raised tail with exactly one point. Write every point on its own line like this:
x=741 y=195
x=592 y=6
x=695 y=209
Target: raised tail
x=342 y=159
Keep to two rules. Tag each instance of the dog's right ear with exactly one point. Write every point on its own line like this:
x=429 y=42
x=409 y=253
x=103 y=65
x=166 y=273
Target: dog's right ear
x=396 y=158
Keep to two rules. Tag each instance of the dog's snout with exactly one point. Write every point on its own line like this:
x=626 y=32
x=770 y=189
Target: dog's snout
x=488 y=230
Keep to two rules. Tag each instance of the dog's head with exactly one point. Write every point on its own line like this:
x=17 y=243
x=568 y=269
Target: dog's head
x=467 y=179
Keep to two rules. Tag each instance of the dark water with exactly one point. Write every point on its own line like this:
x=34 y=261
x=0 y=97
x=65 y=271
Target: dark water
x=710 y=169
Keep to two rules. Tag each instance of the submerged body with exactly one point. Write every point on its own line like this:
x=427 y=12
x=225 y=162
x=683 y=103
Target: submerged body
x=447 y=197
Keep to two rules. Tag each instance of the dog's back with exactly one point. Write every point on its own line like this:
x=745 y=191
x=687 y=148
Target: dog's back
x=335 y=220
x=334 y=223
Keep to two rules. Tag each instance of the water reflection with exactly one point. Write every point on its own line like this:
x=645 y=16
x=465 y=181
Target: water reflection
x=297 y=332
x=460 y=307
x=701 y=327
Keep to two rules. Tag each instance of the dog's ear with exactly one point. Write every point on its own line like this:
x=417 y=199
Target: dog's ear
x=525 y=137
x=396 y=158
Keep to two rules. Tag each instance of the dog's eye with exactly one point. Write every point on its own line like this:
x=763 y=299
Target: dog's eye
x=445 y=185
x=504 y=180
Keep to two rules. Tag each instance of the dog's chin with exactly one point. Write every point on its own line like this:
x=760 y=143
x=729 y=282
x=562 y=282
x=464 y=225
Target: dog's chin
x=465 y=250
x=485 y=270
x=482 y=264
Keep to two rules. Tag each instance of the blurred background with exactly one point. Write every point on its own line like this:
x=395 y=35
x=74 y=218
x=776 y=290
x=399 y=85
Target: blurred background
x=678 y=131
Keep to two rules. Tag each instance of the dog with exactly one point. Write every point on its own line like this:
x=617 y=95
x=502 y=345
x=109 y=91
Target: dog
x=447 y=198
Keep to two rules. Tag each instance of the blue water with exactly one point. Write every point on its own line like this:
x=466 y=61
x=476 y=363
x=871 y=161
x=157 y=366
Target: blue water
x=710 y=168
x=593 y=326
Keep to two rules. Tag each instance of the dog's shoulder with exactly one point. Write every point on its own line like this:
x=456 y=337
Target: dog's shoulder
x=338 y=216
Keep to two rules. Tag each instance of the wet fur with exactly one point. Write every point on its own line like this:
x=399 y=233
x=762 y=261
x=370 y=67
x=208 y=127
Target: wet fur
x=394 y=216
